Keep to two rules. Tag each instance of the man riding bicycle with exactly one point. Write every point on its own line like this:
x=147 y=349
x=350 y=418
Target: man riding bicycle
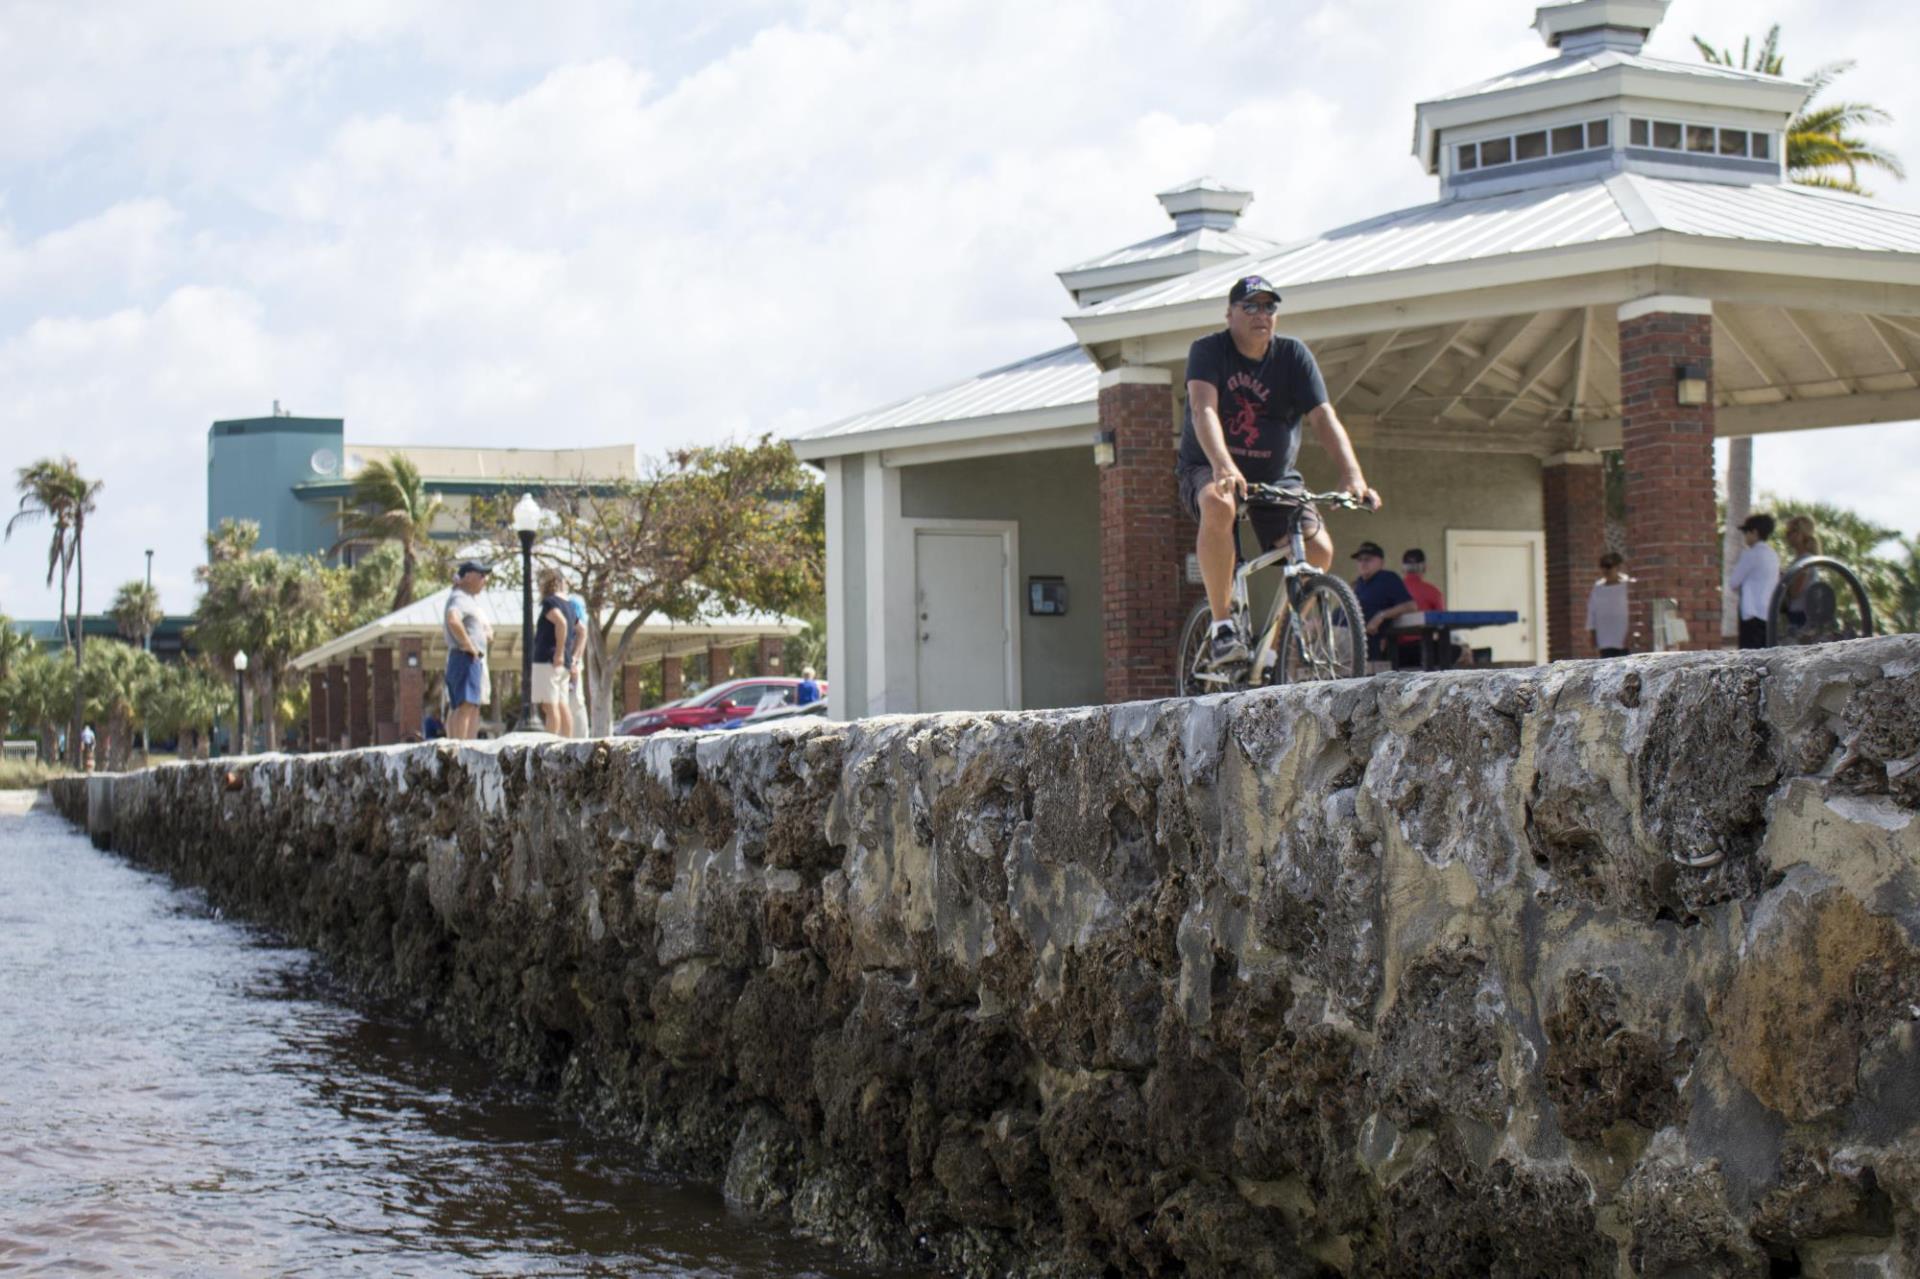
x=1247 y=391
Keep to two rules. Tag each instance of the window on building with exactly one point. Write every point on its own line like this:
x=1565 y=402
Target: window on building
x=1569 y=137
x=1496 y=151
x=1637 y=133
x=1530 y=146
x=1467 y=157
x=1700 y=138
x=1596 y=133
x=1762 y=146
x=1666 y=135
x=1733 y=142
x=1565 y=140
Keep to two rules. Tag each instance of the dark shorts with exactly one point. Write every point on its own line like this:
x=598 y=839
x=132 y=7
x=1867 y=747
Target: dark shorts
x=466 y=679
x=1753 y=632
x=1613 y=652
x=1270 y=523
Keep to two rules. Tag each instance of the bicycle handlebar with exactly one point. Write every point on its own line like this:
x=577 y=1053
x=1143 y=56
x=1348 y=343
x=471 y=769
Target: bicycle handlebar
x=1280 y=495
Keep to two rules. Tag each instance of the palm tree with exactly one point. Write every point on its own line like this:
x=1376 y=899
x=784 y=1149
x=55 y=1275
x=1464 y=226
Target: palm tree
x=82 y=494
x=1900 y=609
x=390 y=503
x=45 y=492
x=1821 y=140
x=135 y=611
x=39 y=689
x=14 y=648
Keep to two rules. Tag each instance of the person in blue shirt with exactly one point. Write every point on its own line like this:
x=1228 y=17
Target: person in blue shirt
x=576 y=663
x=809 y=690
x=1382 y=595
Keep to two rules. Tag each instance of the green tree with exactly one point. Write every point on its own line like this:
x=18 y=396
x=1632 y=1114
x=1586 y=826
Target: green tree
x=46 y=489
x=15 y=647
x=269 y=606
x=39 y=694
x=135 y=611
x=389 y=502
x=1863 y=546
x=1901 y=598
x=183 y=703
x=1822 y=140
x=701 y=533
x=116 y=681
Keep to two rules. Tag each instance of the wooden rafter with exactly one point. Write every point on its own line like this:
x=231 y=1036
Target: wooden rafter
x=1418 y=363
x=1749 y=350
x=1909 y=327
x=1376 y=345
x=1548 y=356
x=1818 y=345
x=1492 y=354
x=1890 y=343
x=1577 y=401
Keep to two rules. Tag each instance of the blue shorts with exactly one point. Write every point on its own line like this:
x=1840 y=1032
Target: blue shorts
x=466 y=679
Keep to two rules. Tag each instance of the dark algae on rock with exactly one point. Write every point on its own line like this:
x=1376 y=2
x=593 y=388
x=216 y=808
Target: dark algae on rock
x=1607 y=968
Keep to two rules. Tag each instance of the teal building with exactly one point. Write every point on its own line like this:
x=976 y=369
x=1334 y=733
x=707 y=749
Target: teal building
x=256 y=468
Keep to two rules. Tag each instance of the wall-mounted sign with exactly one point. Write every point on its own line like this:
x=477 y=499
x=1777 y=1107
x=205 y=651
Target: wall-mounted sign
x=1047 y=596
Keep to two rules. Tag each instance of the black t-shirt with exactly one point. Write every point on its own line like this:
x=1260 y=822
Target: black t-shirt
x=1261 y=403
x=543 y=637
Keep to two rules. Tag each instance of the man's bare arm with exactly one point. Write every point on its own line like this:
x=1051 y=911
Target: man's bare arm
x=1203 y=399
x=459 y=629
x=1332 y=434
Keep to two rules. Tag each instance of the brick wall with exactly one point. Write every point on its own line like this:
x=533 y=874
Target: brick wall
x=772 y=656
x=386 y=707
x=359 y=703
x=1573 y=493
x=410 y=688
x=673 y=679
x=719 y=665
x=1673 y=543
x=337 y=734
x=1139 y=559
x=317 y=732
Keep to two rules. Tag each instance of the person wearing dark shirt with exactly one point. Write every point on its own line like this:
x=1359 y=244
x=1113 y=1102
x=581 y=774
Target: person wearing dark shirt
x=551 y=635
x=1248 y=391
x=1382 y=595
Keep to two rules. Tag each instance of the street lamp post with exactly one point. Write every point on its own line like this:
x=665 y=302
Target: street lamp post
x=526 y=521
x=240 y=701
x=147 y=642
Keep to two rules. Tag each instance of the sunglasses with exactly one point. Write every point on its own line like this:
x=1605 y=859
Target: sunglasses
x=1260 y=308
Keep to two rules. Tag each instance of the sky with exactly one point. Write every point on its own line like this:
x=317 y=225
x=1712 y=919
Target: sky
x=590 y=222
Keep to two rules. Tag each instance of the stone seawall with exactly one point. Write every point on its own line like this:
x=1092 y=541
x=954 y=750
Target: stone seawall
x=1606 y=968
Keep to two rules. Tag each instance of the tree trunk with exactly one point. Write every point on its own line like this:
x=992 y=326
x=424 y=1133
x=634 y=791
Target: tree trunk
x=1739 y=506
x=600 y=707
x=270 y=715
x=79 y=636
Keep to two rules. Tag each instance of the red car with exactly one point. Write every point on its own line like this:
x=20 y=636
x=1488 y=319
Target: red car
x=735 y=699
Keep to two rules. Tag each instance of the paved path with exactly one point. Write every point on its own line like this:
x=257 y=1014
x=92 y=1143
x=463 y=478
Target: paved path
x=16 y=803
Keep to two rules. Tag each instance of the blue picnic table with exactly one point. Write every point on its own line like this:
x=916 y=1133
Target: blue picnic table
x=1435 y=628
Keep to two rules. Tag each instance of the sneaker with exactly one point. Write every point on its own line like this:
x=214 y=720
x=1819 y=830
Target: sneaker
x=1227 y=648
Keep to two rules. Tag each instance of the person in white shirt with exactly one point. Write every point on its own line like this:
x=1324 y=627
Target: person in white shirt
x=1755 y=574
x=1607 y=607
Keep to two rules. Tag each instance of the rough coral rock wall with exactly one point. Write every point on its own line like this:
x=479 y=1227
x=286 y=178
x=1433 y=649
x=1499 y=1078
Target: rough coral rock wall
x=1599 y=969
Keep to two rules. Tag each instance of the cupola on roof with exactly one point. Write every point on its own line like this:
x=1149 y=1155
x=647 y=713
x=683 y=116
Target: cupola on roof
x=1206 y=229
x=1601 y=106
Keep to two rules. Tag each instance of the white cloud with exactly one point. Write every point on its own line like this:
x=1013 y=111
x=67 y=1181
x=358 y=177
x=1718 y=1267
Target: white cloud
x=575 y=225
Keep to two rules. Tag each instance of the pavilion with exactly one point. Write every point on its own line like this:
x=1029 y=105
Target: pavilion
x=371 y=686
x=1615 y=261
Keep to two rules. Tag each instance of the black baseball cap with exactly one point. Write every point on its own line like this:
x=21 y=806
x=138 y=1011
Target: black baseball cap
x=1246 y=286
x=1413 y=555
x=1369 y=548
x=472 y=566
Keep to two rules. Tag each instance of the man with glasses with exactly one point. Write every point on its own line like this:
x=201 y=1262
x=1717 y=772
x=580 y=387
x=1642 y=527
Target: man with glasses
x=1247 y=392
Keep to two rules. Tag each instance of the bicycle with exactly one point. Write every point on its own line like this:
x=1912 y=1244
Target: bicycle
x=1315 y=631
x=1819 y=600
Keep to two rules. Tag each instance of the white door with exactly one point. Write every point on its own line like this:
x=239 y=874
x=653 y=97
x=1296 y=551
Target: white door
x=962 y=628
x=1505 y=571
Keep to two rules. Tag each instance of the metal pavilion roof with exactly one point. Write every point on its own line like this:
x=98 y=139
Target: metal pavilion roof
x=1620 y=206
x=1569 y=65
x=1059 y=378
x=1174 y=243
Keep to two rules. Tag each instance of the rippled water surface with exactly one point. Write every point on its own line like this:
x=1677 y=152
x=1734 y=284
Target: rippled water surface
x=177 y=1096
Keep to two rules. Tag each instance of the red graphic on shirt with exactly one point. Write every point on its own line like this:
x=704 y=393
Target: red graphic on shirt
x=1244 y=426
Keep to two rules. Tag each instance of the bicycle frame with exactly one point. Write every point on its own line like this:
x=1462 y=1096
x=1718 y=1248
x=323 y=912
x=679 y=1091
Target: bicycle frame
x=1293 y=561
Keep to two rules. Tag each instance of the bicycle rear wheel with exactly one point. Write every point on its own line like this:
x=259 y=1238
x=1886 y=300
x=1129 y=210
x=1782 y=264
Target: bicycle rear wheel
x=1325 y=635
x=1193 y=675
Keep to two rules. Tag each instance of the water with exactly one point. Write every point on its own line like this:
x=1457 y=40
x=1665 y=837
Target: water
x=179 y=1095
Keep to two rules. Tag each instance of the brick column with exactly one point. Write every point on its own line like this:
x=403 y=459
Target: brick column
x=1140 y=565
x=359 y=703
x=1573 y=491
x=386 y=707
x=629 y=689
x=719 y=665
x=673 y=679
x=410 y=692
x=772 y=655
x=1673 y=540
x=337 y=707
x=317 y=738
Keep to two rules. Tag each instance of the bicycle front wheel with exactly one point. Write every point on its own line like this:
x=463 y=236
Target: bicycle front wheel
x=1195 y=674
x=1325 y=635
